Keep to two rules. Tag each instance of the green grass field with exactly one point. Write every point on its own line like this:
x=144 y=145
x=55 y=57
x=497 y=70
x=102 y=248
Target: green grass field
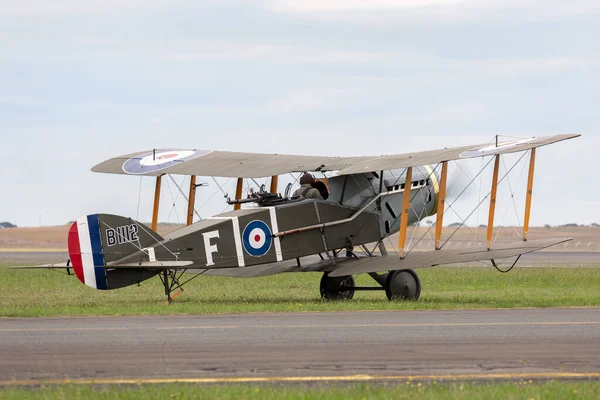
x=32 y=293
x=408 y=390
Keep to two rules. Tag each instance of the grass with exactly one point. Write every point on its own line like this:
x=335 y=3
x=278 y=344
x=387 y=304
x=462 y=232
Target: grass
x=409 y=390
x=34 y=293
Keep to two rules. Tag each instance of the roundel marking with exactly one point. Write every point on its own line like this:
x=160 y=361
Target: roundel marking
x=257 y=238
x=492 y=149
x=151 y=161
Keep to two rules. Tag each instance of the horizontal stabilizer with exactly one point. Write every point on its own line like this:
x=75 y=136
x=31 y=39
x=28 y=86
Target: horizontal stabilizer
x=42 y=266
x=152 y=264
x=441 y=257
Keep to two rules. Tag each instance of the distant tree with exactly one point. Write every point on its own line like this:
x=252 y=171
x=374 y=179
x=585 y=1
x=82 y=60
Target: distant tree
x=595 y=225
x=456 y=225
x=547 y=226
x=570 y=226
x=429 y=222
x=7 y=225
x=483 y=226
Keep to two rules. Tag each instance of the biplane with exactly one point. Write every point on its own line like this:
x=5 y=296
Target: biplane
x=365 y=200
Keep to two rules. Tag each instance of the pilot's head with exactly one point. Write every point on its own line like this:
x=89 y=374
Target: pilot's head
x=307 y=178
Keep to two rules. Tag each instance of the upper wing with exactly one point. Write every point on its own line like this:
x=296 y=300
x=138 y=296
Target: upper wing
x=441 y=257
x=219 y=163
x=256 y=165
x=437 y=156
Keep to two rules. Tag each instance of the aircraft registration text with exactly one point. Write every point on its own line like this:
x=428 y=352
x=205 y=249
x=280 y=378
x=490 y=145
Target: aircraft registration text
x=122 y=234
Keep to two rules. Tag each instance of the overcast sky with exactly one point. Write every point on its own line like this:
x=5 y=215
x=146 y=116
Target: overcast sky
x=82 y=81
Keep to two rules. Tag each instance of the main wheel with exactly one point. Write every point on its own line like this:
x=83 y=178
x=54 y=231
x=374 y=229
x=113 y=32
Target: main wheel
x=338 y=288
x=403 y=285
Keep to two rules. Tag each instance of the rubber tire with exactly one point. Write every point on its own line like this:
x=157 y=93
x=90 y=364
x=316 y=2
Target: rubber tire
x=330 y=287
x=403 y=285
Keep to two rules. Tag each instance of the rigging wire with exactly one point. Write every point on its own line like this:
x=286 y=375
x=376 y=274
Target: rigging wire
x=488 y=195
x=480 y=188
x=508 y=206
x=211 y=197
x=138 y=246
x=174 y=208
x=137 y=216
x=219 y=186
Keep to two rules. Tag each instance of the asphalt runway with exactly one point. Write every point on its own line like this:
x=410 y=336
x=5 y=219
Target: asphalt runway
x=404 y=344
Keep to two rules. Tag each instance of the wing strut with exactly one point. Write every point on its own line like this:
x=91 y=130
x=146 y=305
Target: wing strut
x=274 y=182
x=191 y=200
x=493 y=203
x=238 y=193
x=405 y=211
x=440 y=206
x=529 y=195
x=156 y=203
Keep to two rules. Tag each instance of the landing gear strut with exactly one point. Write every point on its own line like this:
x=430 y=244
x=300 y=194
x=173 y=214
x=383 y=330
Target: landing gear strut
x=171 y=281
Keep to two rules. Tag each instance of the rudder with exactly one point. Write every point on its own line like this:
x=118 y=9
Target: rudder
x=99 y=239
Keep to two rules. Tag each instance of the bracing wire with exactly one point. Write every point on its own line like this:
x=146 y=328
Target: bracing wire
x=486 y=197
x=137 y=216
x=174 y=199
x=211 y=197
x=508 y=206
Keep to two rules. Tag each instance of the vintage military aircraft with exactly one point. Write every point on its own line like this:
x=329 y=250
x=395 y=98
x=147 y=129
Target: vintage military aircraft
x=366 y=199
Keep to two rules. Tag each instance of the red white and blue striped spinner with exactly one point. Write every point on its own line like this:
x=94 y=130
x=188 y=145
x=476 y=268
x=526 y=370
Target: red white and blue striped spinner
x=85 y=251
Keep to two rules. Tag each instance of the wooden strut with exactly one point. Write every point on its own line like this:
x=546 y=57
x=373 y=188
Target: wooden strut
x=191 y=200
x=156 y=203
x=493 y=203
x=405 y=211
x=238 y=193
x=441 y=203
x=274 y=183
x=529 y=195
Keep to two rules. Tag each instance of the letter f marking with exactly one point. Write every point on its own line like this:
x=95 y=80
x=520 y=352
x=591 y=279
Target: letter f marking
x=210 y=248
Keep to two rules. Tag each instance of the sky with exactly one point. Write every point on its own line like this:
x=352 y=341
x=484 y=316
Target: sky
x=81 y=82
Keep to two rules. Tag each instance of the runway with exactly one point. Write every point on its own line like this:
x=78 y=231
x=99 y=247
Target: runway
x=255 y=347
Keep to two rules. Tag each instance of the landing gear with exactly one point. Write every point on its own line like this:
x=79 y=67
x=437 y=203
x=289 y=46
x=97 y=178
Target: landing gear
x=398 y=285
x=403 y=285
x=338 y=288
x=171 y=279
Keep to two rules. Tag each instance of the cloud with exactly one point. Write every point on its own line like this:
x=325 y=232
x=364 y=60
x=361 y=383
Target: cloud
x=81 y=81
x=201 y=50
x=314 y=99
x=40 y=7
x=374 y=11
x=319 y=6
x=78 y=7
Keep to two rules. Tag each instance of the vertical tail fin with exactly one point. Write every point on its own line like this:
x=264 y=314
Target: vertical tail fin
x=98 y=239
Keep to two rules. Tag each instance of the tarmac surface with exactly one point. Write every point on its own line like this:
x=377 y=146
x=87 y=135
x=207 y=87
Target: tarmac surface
x=503 y=343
